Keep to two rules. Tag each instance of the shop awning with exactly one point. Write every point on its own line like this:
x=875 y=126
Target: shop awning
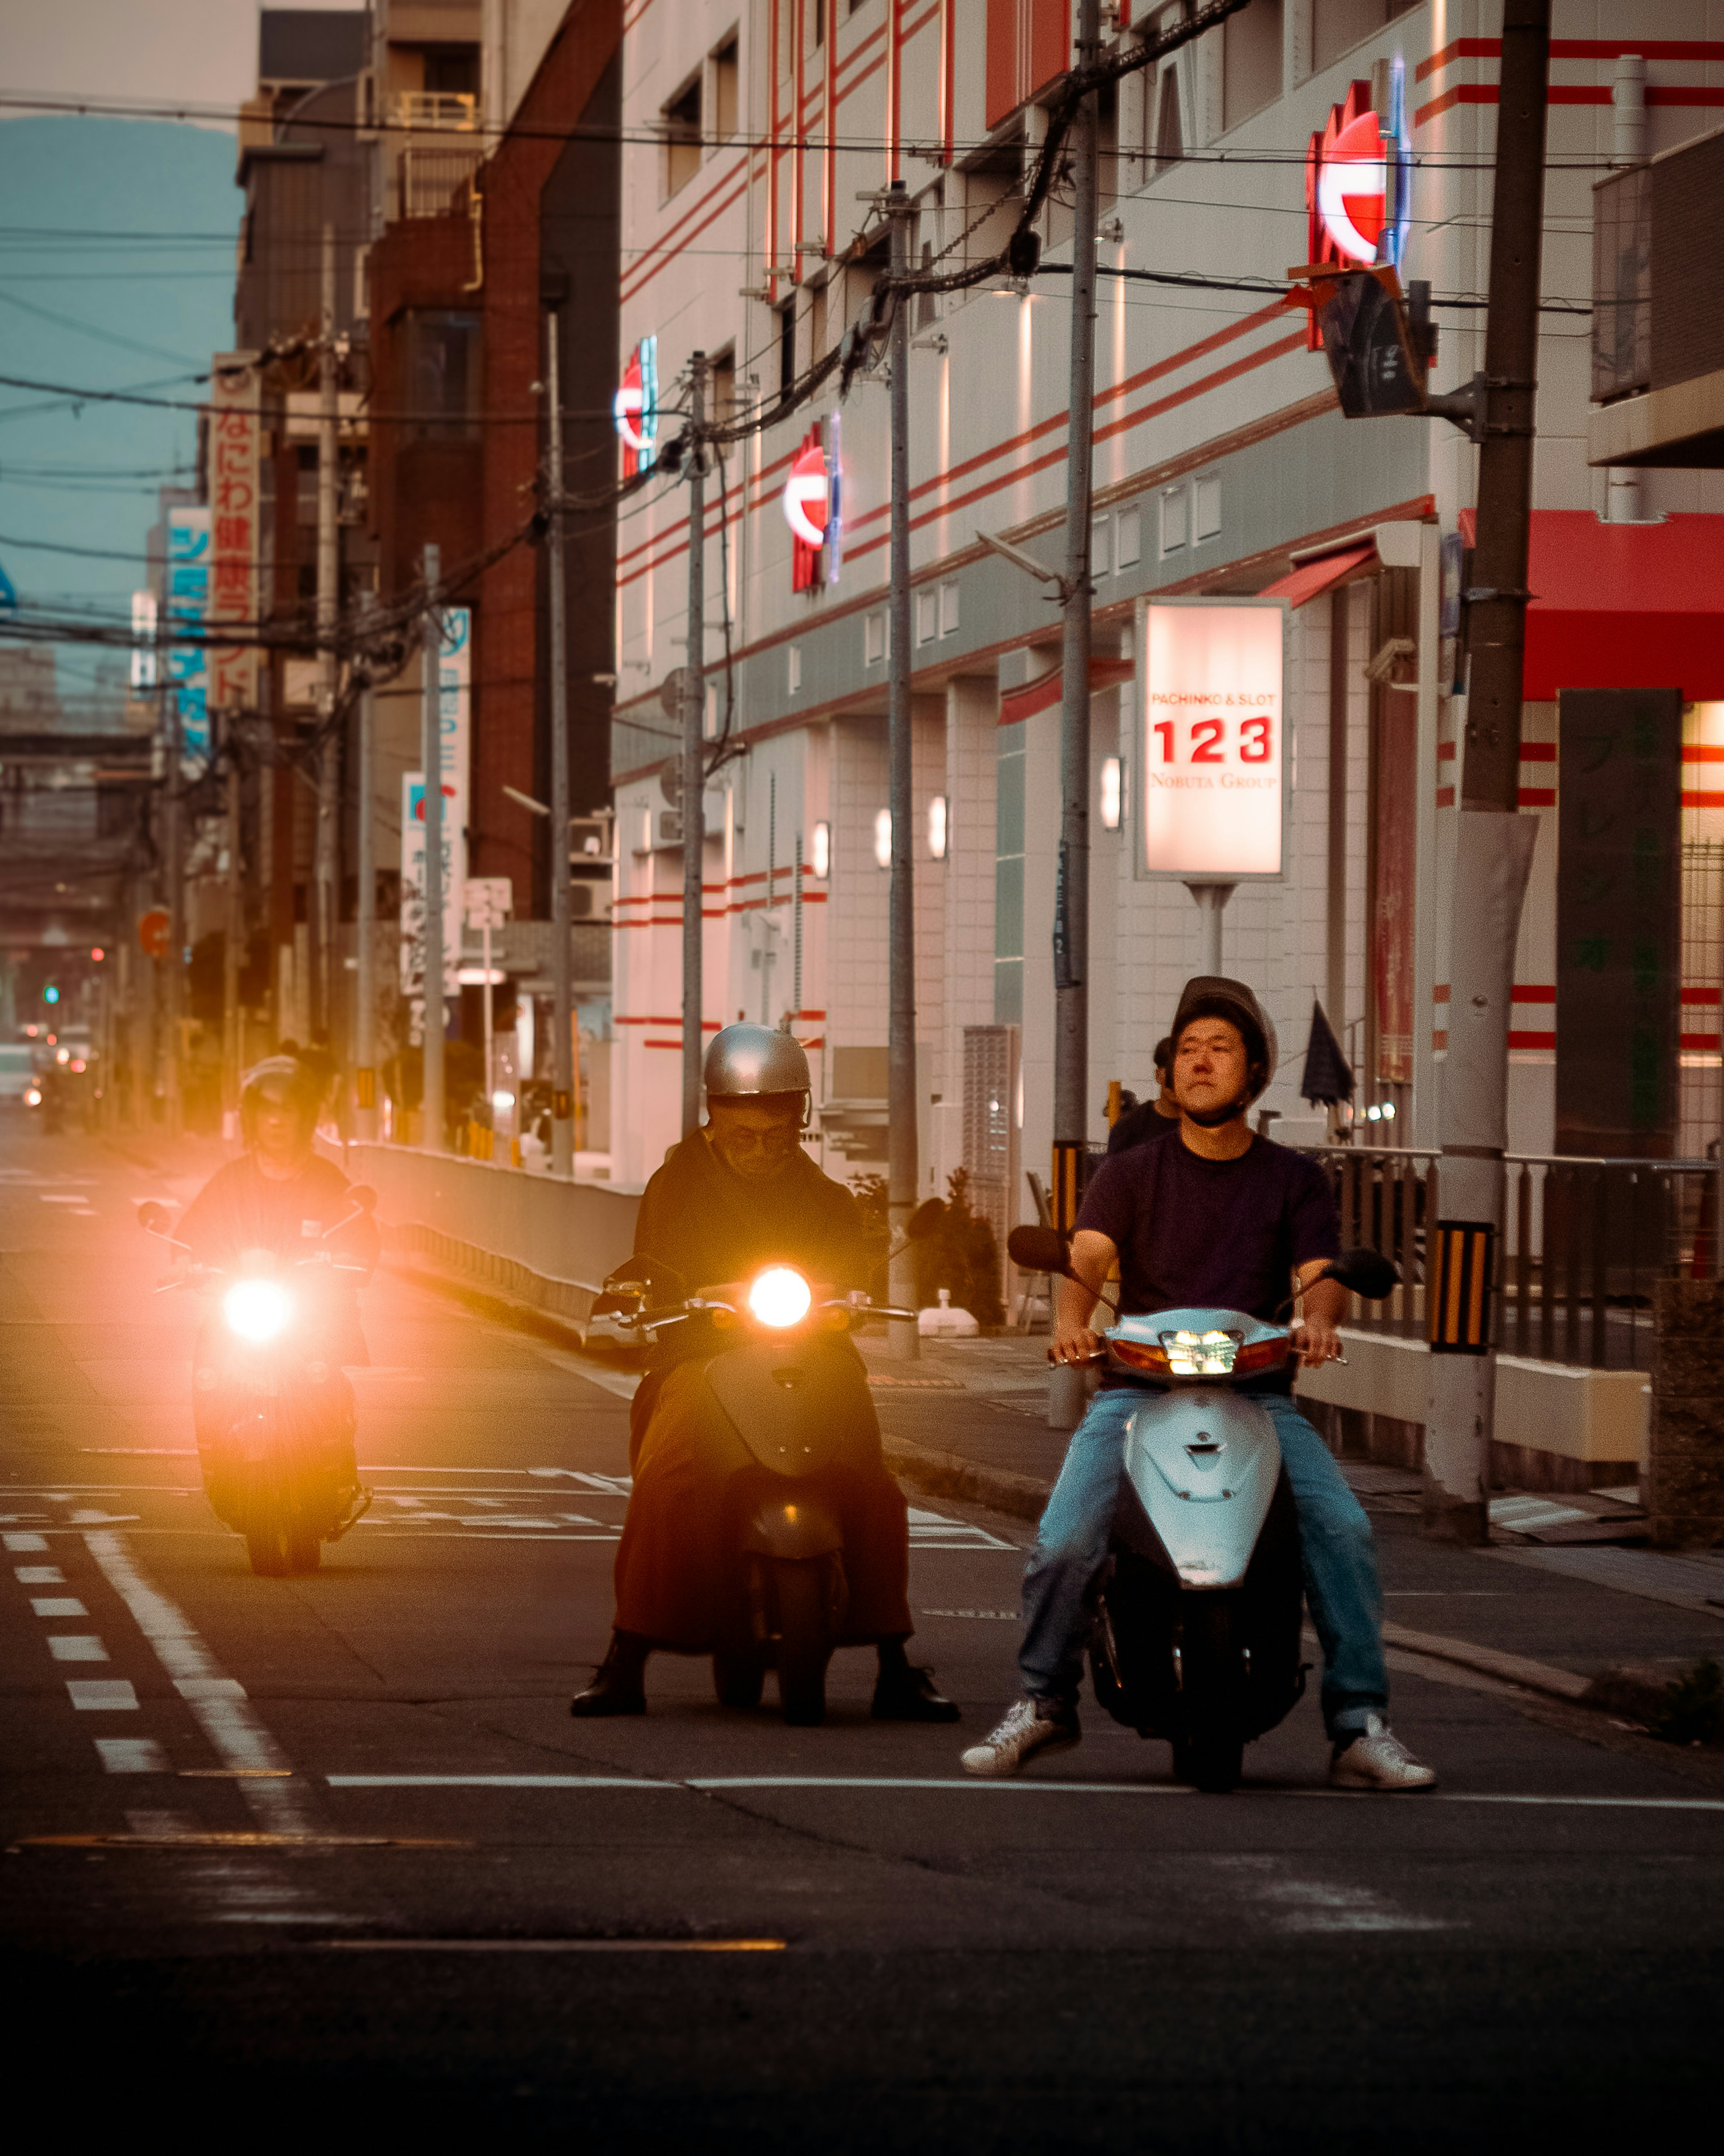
x=1046 y=691
x=1623 y=606
x=1313 y=578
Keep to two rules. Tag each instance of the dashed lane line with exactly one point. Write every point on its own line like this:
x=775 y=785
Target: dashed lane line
x=218 y=1701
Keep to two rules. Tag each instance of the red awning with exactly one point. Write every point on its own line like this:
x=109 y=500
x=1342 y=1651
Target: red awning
x=1311 y=578
x=1623 y=606
x=1042 y=693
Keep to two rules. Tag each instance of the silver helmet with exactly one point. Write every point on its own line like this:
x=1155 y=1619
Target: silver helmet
x=756 y=1059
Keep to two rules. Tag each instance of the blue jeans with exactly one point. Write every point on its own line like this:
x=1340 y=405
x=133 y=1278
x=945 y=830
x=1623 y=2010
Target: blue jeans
x=1338 y=1551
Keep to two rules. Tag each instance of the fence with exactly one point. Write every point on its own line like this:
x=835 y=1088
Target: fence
x=1583 y=1242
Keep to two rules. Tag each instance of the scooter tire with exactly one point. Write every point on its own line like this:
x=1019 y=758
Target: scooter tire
x=738 y=1680
x=269 y=1551
x=305 y=1552
x=1214 y=1764
x=804 y=1639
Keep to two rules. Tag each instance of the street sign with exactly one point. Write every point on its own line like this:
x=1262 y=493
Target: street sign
x=1212 y=787
x=152 y=932
x=490 y=899
x=1369 y=343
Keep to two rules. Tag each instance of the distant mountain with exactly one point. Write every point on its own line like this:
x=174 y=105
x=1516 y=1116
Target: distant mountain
x=116 y=272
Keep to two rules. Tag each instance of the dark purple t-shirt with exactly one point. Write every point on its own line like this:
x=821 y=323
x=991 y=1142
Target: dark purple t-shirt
x=1211 y=1234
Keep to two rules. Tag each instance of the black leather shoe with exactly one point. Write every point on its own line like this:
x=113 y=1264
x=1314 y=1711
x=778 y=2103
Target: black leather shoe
x=617 y=1688
x=908 y=1695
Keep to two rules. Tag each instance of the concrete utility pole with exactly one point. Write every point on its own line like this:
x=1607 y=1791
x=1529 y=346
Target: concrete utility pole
x=903 y=1167
x=431 y=707
x=1071 y=904
x=173 y=848
x=1494 y=847
x=329 y=602
x=562 y=1061
x=365 y=922
x=694 y=753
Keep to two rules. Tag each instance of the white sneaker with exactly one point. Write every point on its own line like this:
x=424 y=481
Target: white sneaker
x=1377 y=1759
x=1030 y=1726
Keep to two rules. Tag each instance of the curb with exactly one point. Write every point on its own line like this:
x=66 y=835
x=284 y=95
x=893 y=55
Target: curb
x=1630 y=1692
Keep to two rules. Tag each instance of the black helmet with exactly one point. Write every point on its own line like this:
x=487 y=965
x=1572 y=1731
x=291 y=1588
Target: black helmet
x=1213 y=995
x=283 y=1079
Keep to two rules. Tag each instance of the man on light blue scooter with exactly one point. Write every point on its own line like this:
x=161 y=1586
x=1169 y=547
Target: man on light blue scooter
x=1216 y=1218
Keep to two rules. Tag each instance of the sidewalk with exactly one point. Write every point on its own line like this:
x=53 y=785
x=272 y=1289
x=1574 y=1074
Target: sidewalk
x=967 y=1420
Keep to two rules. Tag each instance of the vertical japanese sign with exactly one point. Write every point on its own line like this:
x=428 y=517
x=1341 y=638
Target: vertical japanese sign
x=1393 y=894
x=1212 y=745
x=453 y=694
x=234 y=527
x=1618 y=921
x=188 y=608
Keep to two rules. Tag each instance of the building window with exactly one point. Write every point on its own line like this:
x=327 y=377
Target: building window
x=1131 y=537
x=1176 y=510
x=1205 y=510
x=1101 y=546
x=725 y=76
x=1337 y=25
x=819 y=23
x=1251 y=61
x=442 y=352
x=1169 y=137
x=926 y=613
x=721 y=394
x=681 y=121
x=452 y=70
x=948 y=608
x=874 y=638
x=794 y=668
x=787 y=347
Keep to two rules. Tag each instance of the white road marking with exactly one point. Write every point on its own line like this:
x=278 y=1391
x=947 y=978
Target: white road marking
x=218 y=1701
x=1009 y=1616
x=1319 y=1905
x=974 y=1785
x=38 y=1575
x=102 y=1696
x=76 y=1647
x=131 y=1755
x=22 y=1543
x=556 y=1946
x=56 y=1605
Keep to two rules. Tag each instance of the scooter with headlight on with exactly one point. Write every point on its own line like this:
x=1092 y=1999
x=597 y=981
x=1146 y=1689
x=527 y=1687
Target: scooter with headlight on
x=274 y=1418
x=775 y=1355
x=1198 y=1625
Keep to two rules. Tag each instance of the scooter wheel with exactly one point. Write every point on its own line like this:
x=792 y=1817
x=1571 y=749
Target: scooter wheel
x=305 y=1553
x=1212 y=1765
x=804 y=1643
x=738 y=1680
x=269 y=1549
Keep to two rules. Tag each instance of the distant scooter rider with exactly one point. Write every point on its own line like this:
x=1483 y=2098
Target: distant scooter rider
x=281 y=1197
x=1214 y=1217
x=736 y=1195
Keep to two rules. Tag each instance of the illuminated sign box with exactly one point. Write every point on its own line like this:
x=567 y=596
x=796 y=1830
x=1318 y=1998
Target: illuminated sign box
x=1212 y=787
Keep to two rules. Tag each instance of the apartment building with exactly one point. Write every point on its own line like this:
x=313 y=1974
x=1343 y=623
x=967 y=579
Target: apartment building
x=757 y=133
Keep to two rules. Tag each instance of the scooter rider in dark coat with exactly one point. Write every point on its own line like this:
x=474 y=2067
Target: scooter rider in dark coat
x=1212 y=1217
x=739 y=1193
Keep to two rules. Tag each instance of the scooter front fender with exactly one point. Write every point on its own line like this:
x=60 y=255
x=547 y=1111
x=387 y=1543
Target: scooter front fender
x=793 y=1526
x=1204 y=1463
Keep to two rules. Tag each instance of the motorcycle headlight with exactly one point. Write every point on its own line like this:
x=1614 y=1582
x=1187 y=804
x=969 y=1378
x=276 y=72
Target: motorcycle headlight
x=257 y=1310
x=779 y=1297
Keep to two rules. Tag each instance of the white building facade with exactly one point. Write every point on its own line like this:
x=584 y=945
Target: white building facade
x=1222 y=464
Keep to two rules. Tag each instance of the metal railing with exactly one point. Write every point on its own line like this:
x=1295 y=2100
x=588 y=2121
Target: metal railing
x=435 y=108
x=428 y=173
x=1583 y=1241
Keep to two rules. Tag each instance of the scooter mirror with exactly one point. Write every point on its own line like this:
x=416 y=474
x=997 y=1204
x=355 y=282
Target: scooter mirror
x=361 y=1195
x=153 y=1218
x=1365 y=1272
x=926 y=1218
x=1038 y=1250
x=644 y=1272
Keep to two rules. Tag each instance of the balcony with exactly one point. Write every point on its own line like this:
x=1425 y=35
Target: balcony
x=441 y=109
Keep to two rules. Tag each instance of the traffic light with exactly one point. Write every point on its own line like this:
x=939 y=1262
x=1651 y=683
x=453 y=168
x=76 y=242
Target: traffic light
x=50 y=994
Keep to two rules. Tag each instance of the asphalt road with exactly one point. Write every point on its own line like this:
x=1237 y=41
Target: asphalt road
x=317 y=1852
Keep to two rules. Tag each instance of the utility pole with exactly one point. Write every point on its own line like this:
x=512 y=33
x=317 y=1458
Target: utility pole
x=365 y=923
x=173 y=848
x=562 y=1061
x=1071 y=918
x=903 y=1167
x=1494 y=845
x=232 y=1025
x=431 y=707
x=694 y=753
x=323 y=990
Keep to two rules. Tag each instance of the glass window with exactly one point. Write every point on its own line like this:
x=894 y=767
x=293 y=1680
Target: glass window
x=442 y=392
x=1251 y=61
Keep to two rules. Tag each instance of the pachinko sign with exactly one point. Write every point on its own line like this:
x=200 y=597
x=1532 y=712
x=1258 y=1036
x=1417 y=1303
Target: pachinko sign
x=813 y=507
x=635 y=408
x=1358 y=181
x=1212 y=742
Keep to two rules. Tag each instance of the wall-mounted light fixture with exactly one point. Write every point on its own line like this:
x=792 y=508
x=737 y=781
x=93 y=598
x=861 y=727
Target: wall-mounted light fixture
x=883 y=838
x=1111 y=793
x=820 y=853
x=936 y=827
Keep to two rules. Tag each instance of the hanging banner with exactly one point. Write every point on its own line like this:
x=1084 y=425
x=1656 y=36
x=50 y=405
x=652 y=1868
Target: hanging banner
x=188 y=608
x=412 y=893
x=234 y=444
x=1211 y=745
